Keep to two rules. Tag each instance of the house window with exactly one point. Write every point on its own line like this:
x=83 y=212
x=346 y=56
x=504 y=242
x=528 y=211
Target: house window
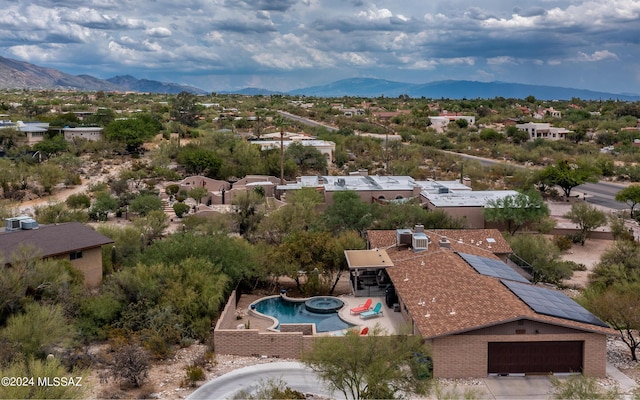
x=75 y=255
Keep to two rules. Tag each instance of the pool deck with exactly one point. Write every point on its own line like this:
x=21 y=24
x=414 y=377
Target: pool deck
x=390 y=322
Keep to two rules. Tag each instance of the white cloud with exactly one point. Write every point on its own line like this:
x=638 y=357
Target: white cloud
x=501 y=60
x=545 y=40
x=375 y=13
x=158 y=32
x=597 y=56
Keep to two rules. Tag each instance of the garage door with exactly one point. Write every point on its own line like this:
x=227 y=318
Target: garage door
x=535 y=357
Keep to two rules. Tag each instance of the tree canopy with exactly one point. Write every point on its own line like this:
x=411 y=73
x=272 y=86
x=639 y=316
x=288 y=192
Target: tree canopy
x=630 y=195
x=516 y=210
x=567 y=175
x=588 y=218
x=372 y=366
x=133 y=132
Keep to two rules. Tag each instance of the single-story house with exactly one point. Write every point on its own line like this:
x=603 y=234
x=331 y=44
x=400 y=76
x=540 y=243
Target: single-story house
x=92 y=133
x=73 y=241
x=480 y=316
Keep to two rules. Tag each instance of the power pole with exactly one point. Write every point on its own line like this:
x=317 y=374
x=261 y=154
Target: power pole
x=282 y=154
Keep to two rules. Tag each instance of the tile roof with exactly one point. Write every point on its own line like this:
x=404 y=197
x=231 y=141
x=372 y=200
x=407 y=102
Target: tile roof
x=444 y=295
x=51 y=240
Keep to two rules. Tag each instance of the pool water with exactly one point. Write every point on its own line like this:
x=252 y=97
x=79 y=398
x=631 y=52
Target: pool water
x=287 y=312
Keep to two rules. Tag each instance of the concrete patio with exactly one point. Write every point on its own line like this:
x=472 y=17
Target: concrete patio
x=390 y=321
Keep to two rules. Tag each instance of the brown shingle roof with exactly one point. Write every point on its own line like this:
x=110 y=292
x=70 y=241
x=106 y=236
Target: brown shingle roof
x=445 y=295
x=478 y=237
x=51 y=240
x=462 y=240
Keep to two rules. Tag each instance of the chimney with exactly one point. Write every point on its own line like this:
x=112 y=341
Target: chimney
x=444 y=243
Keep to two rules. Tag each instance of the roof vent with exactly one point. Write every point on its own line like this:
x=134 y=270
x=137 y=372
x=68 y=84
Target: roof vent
x=444 y=243
x=341 y=182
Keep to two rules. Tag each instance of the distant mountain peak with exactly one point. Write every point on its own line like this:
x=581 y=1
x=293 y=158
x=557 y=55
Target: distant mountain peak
x=23 y=75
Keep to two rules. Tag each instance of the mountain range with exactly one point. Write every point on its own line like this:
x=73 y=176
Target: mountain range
x=16 y=74
x=22 y=75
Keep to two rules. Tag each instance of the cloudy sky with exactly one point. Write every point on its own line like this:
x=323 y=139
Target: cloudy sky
x=288 y=44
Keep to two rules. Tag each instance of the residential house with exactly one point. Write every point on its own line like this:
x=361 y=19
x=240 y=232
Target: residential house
x=543 y=130
x=439 y=122
x=92 y=133
x=480 y=316
x=72 y=241
x=453 y=197
x=35 y=132
x=222 y=192
x=468 y=205
x=272 y=141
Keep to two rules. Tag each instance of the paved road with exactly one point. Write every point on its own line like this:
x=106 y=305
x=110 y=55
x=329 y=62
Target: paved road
x=307 y=121
x=600 y=193
x=294 y=375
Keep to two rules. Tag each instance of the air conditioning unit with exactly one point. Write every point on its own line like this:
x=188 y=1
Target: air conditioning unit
x=419 y=242
x=22 y=222
x=403 y=237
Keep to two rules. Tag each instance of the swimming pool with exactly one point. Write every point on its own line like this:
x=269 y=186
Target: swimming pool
x=292 y=312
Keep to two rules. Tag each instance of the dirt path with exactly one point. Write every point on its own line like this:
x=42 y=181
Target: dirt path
x=61 y=193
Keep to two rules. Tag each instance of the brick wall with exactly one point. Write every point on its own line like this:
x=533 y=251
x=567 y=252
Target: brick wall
x=251 y=342
x=462 y=356
x=305 y=329
x=291 y=342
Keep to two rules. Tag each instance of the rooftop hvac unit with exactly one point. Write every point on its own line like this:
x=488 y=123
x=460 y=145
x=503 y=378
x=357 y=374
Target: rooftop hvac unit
x=19 y=223
x=418 y=228
x=28 y=224
x=420 y=242
x=403 y=237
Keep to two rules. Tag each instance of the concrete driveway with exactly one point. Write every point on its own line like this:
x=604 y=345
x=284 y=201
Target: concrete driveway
x=294 y=375
x=298 y=377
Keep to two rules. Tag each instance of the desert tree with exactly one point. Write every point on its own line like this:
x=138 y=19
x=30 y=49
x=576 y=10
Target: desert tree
x=567 y=175
x=618 y=306
x=629 y=195
x=375 y=366
x=516 y=210
x=587 y=217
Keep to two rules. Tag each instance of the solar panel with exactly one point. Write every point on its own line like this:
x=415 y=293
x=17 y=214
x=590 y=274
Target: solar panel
x=491 y=267
x=552 y=302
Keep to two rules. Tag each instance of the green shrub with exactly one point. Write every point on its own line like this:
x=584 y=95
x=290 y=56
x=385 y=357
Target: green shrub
x=180 y=209
x=194 y=374
x=580 y=387
x=270 y=389
x=564 y=243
